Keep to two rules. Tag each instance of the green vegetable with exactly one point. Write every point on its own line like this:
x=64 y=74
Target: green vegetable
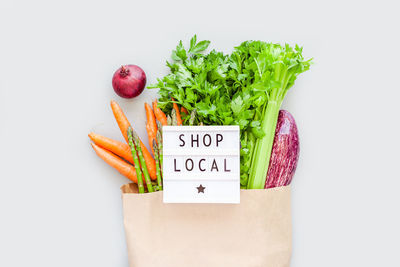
x=142 y=162
x=169 y=120
x=245 y=88
x=192 y=117
x=156 y=156
x=136 y=161
x=174 y=119
x=273 y=69
x=160 y=145
x=201 y=84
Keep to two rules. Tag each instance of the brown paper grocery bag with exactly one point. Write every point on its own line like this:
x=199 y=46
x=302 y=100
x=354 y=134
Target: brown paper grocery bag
x=255 y=233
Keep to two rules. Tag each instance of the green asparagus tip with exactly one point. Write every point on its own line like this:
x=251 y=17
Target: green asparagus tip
x=159 y=125
x=129 y=131
x=174 y=119
x=158 y=136
x=192 y=117
x=135 y=136
x=155 y=146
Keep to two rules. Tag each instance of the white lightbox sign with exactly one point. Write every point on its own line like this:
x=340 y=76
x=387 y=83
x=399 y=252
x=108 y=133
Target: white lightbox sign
x=201 y=164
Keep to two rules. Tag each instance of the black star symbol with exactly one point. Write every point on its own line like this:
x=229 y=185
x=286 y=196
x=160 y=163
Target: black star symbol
x=200 y=189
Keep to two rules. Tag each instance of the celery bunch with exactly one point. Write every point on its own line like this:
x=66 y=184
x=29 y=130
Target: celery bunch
x=272 y=69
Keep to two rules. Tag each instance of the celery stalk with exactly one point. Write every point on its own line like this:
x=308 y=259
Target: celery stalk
x=262 y=152
x=283 y=78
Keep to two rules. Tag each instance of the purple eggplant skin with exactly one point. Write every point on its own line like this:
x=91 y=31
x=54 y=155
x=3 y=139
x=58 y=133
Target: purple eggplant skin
x=285 y=152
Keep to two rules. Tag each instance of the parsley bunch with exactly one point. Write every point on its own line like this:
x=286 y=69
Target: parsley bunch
x=244 y=88
x=209 y=83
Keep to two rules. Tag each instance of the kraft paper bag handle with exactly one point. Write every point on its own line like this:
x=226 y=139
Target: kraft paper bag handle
x=255 y=233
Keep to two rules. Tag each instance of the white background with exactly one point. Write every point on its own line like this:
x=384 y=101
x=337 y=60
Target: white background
x=60 y=204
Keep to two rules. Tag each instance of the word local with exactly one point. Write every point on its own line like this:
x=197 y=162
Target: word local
x=202 y=165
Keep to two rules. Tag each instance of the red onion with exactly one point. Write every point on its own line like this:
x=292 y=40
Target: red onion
x=285 y=152
x=129 y=81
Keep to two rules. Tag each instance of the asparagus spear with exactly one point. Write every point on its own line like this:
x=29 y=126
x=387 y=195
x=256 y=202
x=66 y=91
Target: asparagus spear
x=159 y=125
x=136 y=161
x=160 y=147
x=155 y=186
x=192 y=117
x=169 y=120
x=142 y=162
x=156 y=155
x=174 y=119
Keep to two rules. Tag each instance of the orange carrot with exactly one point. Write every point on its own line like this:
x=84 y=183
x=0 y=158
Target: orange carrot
x=151 y=125
x=114 y=161
x=151 y=119
x=120 y=149
x=184 y=110
x=122 y=121
x=150 y=162
x=159 y=114
x=178 y=114
x=124 y=124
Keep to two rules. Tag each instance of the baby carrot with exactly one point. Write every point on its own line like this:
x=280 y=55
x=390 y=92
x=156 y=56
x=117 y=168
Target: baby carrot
x=121 y=119
x=184 y=110
x=114 y=146
x=160 y=115
x=151 y=119
x=124 y=124
x=178 y=113
x=114 y=161
x=151 y=125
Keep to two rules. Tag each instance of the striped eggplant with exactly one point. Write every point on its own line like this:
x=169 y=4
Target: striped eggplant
x=285 y=152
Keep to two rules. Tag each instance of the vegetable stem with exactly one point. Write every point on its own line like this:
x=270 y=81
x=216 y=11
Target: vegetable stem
x=160 y=147
x=192 y=117
x=156 y=155
x=174 y=118
x=262 y=152
x=143 y=163
x=136 y=160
